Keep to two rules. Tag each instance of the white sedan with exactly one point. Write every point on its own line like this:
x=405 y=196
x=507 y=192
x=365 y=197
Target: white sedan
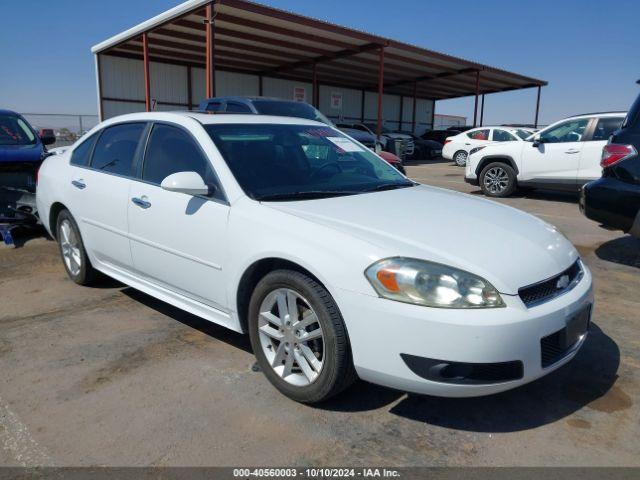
x=457 y=147
x=334 y=263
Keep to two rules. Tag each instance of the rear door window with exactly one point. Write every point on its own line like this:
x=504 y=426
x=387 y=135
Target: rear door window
x=116 y=148
x=500 y=135
x=214 y=107
x=605 y=127
x=479 y=134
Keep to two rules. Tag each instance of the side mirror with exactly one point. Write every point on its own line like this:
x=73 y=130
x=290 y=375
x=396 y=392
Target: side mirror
x=47 y=137
x=190 y=183
x=537 y=141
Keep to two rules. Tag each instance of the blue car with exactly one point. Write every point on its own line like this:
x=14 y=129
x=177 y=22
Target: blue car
x=22 y=151
x=263 y=106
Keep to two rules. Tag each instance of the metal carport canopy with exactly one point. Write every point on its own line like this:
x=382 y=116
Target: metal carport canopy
x=246 y=37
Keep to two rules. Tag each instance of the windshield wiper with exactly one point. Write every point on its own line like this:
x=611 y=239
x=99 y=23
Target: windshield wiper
x=389 y=186
x=305 y=195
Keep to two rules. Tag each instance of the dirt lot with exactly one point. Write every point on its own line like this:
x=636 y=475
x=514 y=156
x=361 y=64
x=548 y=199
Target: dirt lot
x=110 y=376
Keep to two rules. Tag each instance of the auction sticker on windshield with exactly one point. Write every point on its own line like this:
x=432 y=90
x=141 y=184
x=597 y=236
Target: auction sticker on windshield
x=345 y=144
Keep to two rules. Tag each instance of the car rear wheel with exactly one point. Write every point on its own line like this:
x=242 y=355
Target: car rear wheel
x=460 y=158
x=299 y=338
x=498 y=180
x=74 y=256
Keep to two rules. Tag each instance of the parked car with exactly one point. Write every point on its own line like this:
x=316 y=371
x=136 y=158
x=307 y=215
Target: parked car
x=563 y=156
x=399 y=144
x=439 y=135
x=263 y=106
x=289 y=231
x=457 y=147
x=22 y=151
x=369 y=141
x=424 y=149
x=614 y=199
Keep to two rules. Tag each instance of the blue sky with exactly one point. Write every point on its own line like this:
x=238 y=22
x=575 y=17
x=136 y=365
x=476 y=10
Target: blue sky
x=587 y=50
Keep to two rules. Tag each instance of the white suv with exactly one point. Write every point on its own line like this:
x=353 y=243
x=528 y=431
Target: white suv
x=457 y=147
x=563 y=156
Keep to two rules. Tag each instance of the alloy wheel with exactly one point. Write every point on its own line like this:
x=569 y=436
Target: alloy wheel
x=70 y=247
x=291 y=337
x=461 y=159
x=496 y=180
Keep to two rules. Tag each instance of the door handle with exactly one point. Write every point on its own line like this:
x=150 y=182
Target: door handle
x=573 y=150
x=141 y=203
x=79 y=184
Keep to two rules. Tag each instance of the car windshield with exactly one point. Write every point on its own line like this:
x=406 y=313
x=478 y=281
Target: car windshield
x=290 y=109
x=523 y=133
x=274 y=162
x=15 y=131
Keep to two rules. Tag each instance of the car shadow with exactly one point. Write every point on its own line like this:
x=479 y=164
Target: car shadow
x=22 y=235
x=587 y=378
x=538 y=194
x=208 y=328
x=624 y=251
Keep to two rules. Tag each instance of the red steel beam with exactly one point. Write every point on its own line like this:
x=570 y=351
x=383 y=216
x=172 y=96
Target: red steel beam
x=145 y=63
x=380 y=92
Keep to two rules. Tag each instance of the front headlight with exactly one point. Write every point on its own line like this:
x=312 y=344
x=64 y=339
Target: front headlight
x=431 y=284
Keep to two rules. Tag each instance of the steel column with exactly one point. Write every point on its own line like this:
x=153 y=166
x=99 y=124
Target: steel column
x=475 y=108
x=260 y=85
x=145 y=62
x=189 y=88
x=380 y=91
x=401 y=112
x=210 y=51
x=413 y=112
x=482 y=111
x=314 y=90
x=535 y=124
x=362 y=105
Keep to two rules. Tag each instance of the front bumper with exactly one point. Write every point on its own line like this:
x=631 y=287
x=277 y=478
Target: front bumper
x=472 y=181
x=385 y=333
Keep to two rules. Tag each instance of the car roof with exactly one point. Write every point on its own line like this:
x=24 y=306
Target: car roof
x=598 y=114
x=246 y=99
x=4 y=111
x=216 y=118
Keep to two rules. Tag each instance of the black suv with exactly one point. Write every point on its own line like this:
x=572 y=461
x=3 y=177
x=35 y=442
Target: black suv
x=614 y=199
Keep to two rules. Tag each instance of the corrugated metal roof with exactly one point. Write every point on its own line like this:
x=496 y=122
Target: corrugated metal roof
x=254 y=38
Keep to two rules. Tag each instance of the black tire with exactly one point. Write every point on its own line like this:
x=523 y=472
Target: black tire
x=85 y=274
x=337 y=372
x=498 y=180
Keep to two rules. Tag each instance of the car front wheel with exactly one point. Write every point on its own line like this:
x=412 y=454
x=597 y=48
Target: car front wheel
x=498 y=180
x=299 y=338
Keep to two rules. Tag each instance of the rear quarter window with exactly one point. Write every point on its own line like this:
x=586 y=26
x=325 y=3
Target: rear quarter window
x=82 y=153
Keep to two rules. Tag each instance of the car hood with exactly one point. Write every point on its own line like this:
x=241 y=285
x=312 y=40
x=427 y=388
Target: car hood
x=507 y=247
x=20 y=153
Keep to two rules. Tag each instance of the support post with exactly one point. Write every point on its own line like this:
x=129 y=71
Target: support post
x=475 y=108
x=535 y=124
x=147 y=81
x=314 y=94
x=210 y=51
x=413 y=112
x=260 y=94
x=380 y=91
x=482 y=111
x=362 y=106
x=401 y=112
x=189 y=88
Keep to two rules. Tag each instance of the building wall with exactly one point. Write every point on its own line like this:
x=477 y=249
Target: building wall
x=123 y=92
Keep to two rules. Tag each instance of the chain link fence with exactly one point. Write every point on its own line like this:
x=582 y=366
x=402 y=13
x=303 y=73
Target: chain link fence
x=67 y=127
